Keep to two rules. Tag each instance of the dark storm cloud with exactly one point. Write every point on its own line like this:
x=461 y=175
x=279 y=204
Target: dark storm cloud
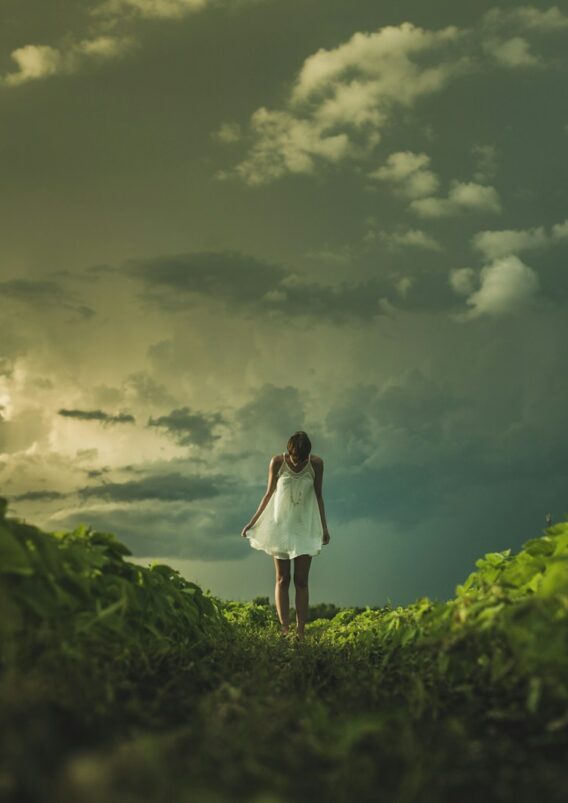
x=226 y=275
x=175 y=531
x=96 y=472
x=39 y=496
x=163 y=487
x=244 y=283
x=413 y=446
x=417 y=403
x=31 y=290
x=273 y=412
x=97 y=415
x=43 y=292
x=147 y=390
x=189 y=428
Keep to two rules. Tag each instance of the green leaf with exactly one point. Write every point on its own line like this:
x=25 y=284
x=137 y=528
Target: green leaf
x=13 y=557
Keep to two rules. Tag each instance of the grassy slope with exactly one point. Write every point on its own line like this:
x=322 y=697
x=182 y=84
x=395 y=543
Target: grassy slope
x=126 y=683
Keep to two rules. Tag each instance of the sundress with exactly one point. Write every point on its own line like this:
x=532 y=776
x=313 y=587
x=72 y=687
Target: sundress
x=290 y=524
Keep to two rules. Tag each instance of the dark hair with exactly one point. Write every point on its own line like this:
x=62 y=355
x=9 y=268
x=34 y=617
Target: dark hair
x=299 y=445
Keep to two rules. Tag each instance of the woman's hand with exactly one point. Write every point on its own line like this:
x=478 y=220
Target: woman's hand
x=326 y=536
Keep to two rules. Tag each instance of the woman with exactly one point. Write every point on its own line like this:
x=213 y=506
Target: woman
x=290 y=523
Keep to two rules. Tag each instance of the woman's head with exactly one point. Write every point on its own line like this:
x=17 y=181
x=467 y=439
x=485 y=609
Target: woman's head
x=299 y=445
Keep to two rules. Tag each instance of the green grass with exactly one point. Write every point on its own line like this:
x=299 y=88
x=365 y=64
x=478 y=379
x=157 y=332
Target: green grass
x=127 y=683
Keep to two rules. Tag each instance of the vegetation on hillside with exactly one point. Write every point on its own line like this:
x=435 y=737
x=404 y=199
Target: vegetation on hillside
x=127 y=683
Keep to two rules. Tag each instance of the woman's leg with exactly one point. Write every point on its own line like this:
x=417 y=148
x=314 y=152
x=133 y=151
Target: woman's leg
x=281 y=593
x=301 y=571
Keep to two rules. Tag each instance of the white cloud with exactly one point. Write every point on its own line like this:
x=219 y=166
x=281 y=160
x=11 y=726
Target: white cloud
x=462 y=196
x=228 y=132
x=560 y=230
x=507 y=286
x=41 y=61
x=383 y=58
x=512 y=52
x=462 y=280
x=409 y=173
x=34 y=61
x=286 y=144
x=415 y=238
x=493 y=244
x=502 y=30
x=498 y=243
x=342 y=98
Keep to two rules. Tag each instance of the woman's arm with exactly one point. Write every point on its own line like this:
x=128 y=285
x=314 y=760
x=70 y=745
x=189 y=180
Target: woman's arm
x=271 y=487
x=318 y=482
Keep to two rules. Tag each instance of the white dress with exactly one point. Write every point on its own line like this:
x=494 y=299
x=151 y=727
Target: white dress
x=290 y=524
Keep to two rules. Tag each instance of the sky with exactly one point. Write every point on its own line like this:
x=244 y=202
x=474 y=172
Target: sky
x=225 y=220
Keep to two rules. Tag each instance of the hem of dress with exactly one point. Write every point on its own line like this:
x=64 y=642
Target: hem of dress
x=282 y=554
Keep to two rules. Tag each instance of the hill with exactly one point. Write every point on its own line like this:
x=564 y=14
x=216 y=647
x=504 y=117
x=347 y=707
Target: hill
x=127 y=683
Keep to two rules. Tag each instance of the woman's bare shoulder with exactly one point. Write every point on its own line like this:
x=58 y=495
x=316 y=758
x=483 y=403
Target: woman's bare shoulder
x=315 y=458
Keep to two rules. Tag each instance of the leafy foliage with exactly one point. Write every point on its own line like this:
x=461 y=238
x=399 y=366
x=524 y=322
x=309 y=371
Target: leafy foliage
x=122 y=682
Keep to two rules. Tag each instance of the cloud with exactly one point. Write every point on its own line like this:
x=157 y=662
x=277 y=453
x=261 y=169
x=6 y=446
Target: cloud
x=189 y=428
x=390 y=436
x=341 y=255
x=224 y=275
x=41 y=61
x=170 y=487
x=342 y=98
x=39 y=496
x=252 y=287
x=560 y=230
x=463 y=280
x=512 y=52
x=462 y=197
x=23 y=429
x=370 y=55
x=286 y=144
x=486 y=158
x=409 y=174
x=501 y=242
x=414 y=401
x=493 y=244
x=97 y=415
x=169 y=529
x=527 y=17
x=143 y=388
x=164 y=9
x=507 y=286
x=258 y=291
x=412 y=238
x=42 y=294
x=271 y=416
x=228 y=132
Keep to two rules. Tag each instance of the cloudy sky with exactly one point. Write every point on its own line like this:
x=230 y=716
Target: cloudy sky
x=225 y=220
